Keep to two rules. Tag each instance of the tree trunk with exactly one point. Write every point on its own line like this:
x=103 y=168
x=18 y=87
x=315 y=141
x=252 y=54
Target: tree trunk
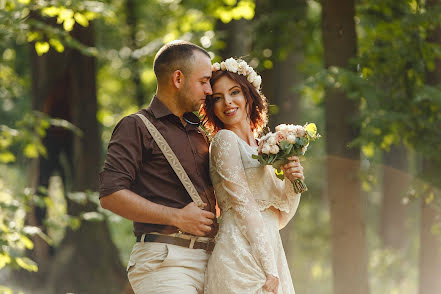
x=236 y=36
x=349 y=256
x=132 y=23
x=64 y=86
x=430 y=244
x=394 y=213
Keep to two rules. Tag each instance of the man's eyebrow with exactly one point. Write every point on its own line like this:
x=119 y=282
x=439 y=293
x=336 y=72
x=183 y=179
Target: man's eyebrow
x=206 y=77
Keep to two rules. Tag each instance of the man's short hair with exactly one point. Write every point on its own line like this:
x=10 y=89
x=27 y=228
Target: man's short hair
x=176 y=55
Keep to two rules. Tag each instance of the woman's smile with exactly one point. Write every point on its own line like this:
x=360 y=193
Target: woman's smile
x=231 y=111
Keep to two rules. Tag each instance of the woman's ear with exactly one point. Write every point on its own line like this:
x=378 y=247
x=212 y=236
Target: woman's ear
x=178 y=79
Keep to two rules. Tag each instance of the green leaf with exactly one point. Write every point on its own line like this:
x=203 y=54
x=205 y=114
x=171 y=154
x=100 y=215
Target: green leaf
x=81 y=19
x=57 y=45
x=31 y=151
x=50 y=11
x=41 y=48
x=68 y=24
x=7 y=157
x=26 y=242
x=27 y=264
x=4 y=260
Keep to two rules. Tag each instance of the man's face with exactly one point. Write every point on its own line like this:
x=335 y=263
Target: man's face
x=196 y=83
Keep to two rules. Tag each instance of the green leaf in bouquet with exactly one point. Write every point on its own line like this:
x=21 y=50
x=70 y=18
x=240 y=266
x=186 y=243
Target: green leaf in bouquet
x=286 y=147
x=262 y=160
x=303 y=141
x=272 y=158
x=276 y=164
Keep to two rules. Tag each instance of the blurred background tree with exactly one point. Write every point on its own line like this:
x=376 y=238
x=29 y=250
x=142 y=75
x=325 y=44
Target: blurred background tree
x=367 y=72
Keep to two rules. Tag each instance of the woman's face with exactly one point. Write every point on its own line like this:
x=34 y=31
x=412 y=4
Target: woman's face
x=230 y=104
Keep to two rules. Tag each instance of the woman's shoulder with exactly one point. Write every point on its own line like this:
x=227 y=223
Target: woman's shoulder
x=224 y=135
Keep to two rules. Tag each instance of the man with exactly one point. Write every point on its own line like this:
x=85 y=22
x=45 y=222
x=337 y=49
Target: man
x=139 y=184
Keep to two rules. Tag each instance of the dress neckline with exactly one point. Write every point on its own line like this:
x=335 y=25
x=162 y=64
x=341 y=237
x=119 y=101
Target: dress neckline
x=243 y=141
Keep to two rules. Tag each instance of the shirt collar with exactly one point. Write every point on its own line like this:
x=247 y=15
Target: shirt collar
x=158 y=108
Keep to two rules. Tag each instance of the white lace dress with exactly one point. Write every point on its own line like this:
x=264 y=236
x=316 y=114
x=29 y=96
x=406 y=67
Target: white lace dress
x=255 y=204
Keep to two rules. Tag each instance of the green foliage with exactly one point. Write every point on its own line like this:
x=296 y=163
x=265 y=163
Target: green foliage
x=14 y=234
x=27 y=21
x=397 y=104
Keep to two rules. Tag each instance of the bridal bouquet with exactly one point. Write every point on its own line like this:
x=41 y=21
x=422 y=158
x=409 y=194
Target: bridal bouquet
x=288 y=140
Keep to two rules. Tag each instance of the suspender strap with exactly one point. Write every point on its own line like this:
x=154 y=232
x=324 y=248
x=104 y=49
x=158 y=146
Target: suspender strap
x=173 y=161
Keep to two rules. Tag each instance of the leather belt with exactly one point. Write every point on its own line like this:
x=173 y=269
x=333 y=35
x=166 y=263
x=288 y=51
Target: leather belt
x=208 y=245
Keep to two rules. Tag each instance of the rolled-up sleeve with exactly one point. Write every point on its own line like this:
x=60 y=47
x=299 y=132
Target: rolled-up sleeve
x=123 y=159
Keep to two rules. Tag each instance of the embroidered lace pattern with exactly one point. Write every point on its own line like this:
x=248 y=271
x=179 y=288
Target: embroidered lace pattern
x=248 y=244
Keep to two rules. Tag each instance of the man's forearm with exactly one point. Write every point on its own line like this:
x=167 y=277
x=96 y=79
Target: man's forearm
x=136 y=208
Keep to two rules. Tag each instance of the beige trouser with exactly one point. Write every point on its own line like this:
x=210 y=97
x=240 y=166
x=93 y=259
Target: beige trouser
x=165 y=268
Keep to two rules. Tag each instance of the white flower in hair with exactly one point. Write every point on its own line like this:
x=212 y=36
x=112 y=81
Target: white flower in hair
x=243 y=68
x=216 y=66
x=257 y=81
x=231 y=65
x=240 y=67
x=251 y=77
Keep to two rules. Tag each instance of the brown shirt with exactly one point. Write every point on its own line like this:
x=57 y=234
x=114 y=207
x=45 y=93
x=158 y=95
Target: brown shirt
x=135 y=162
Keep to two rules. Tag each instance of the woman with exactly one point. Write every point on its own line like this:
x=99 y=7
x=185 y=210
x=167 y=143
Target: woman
x=255 y=204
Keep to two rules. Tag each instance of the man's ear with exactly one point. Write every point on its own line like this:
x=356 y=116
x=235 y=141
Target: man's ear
x=178 y=79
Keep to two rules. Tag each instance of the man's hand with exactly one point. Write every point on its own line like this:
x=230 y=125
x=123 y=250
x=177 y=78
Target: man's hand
x=271 y=284
x=193 y=220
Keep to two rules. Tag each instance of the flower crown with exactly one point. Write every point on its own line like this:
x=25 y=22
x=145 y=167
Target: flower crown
x=240 y=67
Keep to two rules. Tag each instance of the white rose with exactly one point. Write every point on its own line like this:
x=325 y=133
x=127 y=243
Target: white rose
x=242 y=68
x=291 y=128
x=231 y=65
x=249 y=69
x=251 y=77
x=266 y=148
x=272 y=140
x=280 y=128
x=216 y=66
x=301 y=132
x=291 y=139
x=257 y=82
x=274 y=149
x=222 y=66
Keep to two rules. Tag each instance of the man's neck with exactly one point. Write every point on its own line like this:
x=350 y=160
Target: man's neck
x=170 y=101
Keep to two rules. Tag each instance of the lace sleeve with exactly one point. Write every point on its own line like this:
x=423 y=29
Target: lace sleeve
x=293 y=200
x=226 y=159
